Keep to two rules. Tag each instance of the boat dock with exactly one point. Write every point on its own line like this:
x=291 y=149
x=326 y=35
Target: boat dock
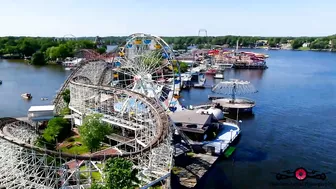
x=193 y=158
x=240 y=105
x=190 y=168
x=250 y=66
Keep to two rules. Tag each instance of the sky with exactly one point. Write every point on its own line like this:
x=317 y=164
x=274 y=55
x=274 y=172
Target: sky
x=167 y=18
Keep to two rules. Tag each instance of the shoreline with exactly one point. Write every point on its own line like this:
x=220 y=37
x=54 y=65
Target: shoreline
x=21 y=60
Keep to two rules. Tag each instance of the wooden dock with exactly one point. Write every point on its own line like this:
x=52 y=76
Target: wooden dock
x=191 y=167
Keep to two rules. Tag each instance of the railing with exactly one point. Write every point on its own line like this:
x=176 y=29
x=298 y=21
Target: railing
x=244 y=100
x=202 y=106
x=229 y=120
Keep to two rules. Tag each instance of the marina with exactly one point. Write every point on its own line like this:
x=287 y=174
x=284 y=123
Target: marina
x=167 y=95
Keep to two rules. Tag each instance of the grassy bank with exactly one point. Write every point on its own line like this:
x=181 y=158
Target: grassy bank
x=304 y=49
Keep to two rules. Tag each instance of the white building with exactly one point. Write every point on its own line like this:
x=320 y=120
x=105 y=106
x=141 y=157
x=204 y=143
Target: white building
x=305 y=44
x=41 y=113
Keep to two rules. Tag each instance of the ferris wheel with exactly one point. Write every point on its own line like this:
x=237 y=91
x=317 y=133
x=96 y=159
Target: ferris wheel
x=147 y=65
x=69 y=37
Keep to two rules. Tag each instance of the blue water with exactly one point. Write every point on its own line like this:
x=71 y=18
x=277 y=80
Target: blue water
x=18 y=78
x=294 y=122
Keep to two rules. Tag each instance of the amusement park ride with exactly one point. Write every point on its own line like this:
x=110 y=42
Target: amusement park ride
x=134 y=91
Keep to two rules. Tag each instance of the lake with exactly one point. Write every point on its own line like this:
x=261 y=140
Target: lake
x=294 y=121
x=18 y=77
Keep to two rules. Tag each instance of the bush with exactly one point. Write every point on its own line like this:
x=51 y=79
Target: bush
x=93 y=131
x=183 y=67
x=120 y=174
x=58 y=128
x=66 y=96
x=97 y=186
x=65 y=111
x=38 y=59
x=101 y=50
x=42 y=143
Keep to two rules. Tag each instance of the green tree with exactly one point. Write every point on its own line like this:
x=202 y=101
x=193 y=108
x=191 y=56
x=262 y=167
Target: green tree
x=320 y=43
x=93 y=131
x=66 y=95
x=101 y=50
x=183 y=67
x=28 y=46
x=65 y=51
x=45 y=44
x=207 y=46
x=200 y=46
x=53 y=53
x=120 y=174
x=57 y=128
x=38 y=59
x=297 y=43
x=97 y=186
x=65 y=111
x=333 y=44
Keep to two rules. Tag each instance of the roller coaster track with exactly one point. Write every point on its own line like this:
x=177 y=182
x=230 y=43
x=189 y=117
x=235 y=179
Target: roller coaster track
x=102 y=77
x=70 y=77
x=67 y=81
x=151 y=148
x=162 y=123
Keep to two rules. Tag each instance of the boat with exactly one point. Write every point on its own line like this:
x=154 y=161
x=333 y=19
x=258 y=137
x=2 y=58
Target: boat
x=200 y=84
x=211 y=71
x=224 y=65
x=219 y=75
x=0 y=82
x=26 y=96
x=71 y=63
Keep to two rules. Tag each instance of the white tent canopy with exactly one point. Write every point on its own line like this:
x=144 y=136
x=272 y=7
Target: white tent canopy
x=234 y=87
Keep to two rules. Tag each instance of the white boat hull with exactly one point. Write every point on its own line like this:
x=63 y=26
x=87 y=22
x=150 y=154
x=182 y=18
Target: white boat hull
x=219 y=76
x=224 y=138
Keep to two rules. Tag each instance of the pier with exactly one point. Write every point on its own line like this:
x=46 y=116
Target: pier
x=248 y=66
x=191 y=167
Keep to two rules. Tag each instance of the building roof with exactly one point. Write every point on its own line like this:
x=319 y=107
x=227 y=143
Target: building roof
x=41 y=108
x=191 y=117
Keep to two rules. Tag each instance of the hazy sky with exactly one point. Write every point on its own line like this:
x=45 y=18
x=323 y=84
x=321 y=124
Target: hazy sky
x=167 y=18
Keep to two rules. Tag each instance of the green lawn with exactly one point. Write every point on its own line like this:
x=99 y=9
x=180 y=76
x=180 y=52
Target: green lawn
x=77 y=149
x=96 y=176
x=74 y=149
x=304 y=48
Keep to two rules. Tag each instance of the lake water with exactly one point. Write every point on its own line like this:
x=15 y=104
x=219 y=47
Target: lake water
x=294 y=122
x=18 y=77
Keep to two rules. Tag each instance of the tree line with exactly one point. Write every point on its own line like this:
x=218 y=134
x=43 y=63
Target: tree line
x=42 y=49
x=317 y=43
x=46 y=49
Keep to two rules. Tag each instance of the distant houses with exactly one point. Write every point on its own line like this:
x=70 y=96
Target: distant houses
x=261 y=43
x=305 y=45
